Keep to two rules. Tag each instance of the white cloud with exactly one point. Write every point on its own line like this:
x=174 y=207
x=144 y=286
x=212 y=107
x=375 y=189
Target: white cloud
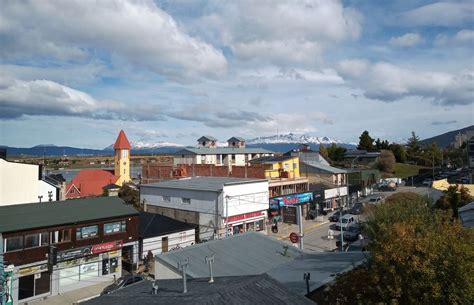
x=463 y=37
x=388 y=82
x=406 y=40
x=280 y=32
x=353 y=68
x=140 y=32
x=44 y=97
x=439 y=14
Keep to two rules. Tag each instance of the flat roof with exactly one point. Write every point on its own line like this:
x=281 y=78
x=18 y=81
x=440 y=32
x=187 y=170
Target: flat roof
x=152 y=225
x=221 y=151
x=48 y=214
x=214 y=184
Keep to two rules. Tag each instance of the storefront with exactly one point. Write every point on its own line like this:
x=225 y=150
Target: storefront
x=253 y=221
x=283 y=208
x=33 y=282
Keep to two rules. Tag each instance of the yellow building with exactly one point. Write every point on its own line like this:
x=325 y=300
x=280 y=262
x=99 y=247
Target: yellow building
x=279 y=167
x=122 y=159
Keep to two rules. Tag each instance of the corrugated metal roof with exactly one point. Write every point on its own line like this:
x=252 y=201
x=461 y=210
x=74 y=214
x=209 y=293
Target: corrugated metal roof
x=244 y=254
x=214 y=184
x=325 y=168
x=47 y=214
x=236 y=290
x=466 y=214
x=222 y=151
x=271 y=159
x=152 y=225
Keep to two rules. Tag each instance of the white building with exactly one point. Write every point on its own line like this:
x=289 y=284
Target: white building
x=22 y=183
x=220 y=206
x=207 y=152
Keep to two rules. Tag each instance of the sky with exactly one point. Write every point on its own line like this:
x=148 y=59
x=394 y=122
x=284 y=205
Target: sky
x=76 y=72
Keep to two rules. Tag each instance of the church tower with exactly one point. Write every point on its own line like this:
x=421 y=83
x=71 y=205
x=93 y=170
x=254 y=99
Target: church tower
x=122 y=159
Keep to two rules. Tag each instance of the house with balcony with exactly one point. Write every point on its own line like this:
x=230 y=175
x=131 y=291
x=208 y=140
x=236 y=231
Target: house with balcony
x=207 y=152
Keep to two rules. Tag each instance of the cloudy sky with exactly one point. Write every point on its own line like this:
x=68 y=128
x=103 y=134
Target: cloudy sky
x=76 y=72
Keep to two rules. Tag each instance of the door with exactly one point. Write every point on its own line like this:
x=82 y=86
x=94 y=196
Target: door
x=164 y=244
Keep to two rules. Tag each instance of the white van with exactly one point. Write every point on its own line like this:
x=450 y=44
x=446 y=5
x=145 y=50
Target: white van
x=346 y=220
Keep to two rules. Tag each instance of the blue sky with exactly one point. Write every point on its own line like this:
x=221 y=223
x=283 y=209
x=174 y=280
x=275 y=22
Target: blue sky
x=76 y=72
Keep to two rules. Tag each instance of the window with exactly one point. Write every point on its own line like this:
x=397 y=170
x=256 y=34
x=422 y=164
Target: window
x=14 y=243
x=115 y=227
x=124 y=153
x=36 y=240
x=87 y=232
x=186 y=200
x=295 y=165
x=61 y=236
x=182 y=236
x=166 y=198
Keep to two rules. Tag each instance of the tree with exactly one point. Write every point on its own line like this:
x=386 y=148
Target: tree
x=336 y=153
x=417 y=256
x=323 y=151
x=386 y=161
x=453 y=199
x=130 y=195
x=399 y=152
x=413 y=146
x=366 y=142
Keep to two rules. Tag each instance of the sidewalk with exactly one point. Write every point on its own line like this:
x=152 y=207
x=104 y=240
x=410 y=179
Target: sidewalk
x=284 y=230
x=72 y=297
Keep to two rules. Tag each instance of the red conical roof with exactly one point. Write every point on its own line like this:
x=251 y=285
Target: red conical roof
x=122 y=141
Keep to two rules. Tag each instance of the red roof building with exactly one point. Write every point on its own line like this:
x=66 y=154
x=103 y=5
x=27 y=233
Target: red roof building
x=89 y=182
x=122 y=141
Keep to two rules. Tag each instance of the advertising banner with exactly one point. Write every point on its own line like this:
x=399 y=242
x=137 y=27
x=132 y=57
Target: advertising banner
x=290 y=200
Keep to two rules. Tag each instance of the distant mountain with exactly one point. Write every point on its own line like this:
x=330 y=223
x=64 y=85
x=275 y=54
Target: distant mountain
x=447 y=138
x=287 y=142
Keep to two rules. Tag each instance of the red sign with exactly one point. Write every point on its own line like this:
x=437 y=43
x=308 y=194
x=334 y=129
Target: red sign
x=244 y=216
x=106 y=247
x=294 y=238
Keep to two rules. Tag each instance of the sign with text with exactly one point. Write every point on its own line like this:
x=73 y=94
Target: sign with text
x=245 y=216
x=290 y=200
x=289 y=215
x=106 y=247
x=89 y=250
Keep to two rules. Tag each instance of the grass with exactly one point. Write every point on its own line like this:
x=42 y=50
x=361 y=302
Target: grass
x=406 y=170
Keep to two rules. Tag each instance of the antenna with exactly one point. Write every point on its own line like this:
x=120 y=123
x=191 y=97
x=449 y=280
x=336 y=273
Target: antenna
x=210 y=261
x=183 y=266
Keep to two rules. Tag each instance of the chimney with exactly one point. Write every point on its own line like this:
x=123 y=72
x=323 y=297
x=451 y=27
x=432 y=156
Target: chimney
x=183 y=266
x=210 y=261
x=154 y=287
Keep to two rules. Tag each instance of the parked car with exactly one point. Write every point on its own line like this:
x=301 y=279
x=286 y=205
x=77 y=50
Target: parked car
x=375 y=200
x=428 y=182
x=345 y=222
x=335 y=217
x=121 y=282
x=357 y=209
x=352 y=232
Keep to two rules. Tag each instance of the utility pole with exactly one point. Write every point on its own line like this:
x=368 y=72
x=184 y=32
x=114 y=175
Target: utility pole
x=300 y=224
x=2 y=274
x=340 y=220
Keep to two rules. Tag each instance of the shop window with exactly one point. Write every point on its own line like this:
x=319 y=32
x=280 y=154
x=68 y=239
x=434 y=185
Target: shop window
x=87 y=232
x=32 y=240
x=13 y=243
x=166 y=198
x=186 y=200
x=61 y=236
x=259 y=225
x=34 y=284
x=115 y=227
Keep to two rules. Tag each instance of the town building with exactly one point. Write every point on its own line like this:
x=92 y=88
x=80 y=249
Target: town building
x=23 y=183
x=96 y=182
x=466 y=215
x=159 y=233
x=279 y=166
x=220 y=206
x=207 y=152
x=56 y=247
x=357 y=158
x=362 y=181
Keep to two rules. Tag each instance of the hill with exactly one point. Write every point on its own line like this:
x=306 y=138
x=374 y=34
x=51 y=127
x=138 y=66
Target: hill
x=445 y=139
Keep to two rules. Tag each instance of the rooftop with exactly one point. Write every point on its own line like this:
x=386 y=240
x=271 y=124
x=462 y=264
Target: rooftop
x=360 y=153
x=324 y=168
x=222 y=150
x=236 y=139
x=214 y=184
x=236 y=290
x=151 y=225
x=466 y=215
x=271 y=159
x=39 y=215
x=207 y=138
x=122 y=141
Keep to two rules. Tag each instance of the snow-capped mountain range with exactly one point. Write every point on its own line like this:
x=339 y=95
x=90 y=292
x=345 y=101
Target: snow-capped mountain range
x=292 y=138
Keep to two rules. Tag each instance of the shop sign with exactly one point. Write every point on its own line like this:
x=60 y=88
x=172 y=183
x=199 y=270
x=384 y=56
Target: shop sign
x=244 y=216
x=106 y=247
x=290 y=200
x=74 y=253
x=289 y=215
x=33 y=269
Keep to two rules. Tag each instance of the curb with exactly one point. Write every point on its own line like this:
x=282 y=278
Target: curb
x=307 y=229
